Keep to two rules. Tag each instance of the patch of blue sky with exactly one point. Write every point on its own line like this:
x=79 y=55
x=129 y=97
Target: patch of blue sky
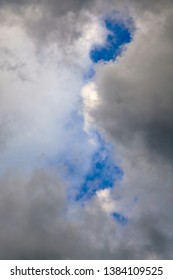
x=103 y=172
x=118 y=35
x=120 y=218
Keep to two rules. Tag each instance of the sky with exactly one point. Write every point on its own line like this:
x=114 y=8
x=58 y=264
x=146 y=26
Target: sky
x=86 y=130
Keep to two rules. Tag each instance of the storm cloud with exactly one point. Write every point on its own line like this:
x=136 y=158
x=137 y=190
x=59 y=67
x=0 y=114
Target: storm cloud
x=135 y=111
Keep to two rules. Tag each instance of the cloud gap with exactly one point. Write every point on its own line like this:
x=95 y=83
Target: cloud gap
x=118 y=34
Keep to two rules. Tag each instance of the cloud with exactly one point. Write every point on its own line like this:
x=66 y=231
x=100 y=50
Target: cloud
x=36 y=223
x=137 y=91
x=40 y=91
x=135 y=111
x=57 y=7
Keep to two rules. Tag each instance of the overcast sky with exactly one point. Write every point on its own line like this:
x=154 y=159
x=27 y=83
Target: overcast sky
x=86 y=129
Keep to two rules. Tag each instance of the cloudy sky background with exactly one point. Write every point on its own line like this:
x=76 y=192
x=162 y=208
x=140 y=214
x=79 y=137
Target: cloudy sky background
x=86 y=129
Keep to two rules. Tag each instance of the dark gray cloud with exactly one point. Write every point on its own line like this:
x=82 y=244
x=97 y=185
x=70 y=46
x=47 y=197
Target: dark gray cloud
x=135 y=111
x=136 y=93
x=57 y=7
x=35 y=224
x=47 y=21
x=62 y=21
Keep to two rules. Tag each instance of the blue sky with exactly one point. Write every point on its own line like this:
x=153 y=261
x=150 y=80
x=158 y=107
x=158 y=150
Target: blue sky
x=120 y=218
x=88 y=170
x=102 y=172
x=118 y=34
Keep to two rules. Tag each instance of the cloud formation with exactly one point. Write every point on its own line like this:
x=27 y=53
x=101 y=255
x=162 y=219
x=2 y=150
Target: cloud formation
x=135 y=110
x=45 y=47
